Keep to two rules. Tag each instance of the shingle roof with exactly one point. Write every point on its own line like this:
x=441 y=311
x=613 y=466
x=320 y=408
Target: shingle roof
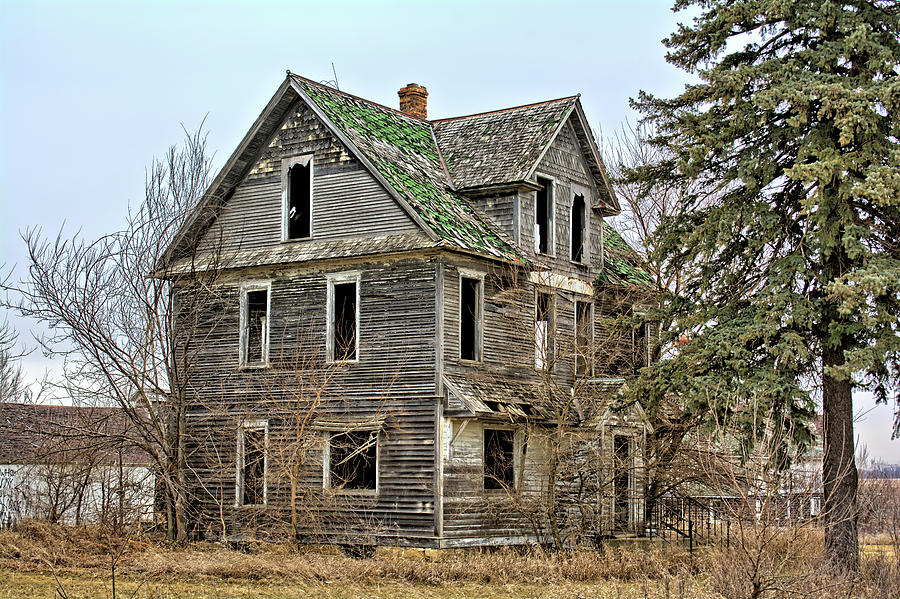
x=622 y=264
x=404 y=152
x=500 y=146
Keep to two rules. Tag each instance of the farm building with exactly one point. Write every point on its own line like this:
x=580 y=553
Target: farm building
x=411 y=331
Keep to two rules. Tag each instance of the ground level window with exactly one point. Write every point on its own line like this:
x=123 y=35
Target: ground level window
x=353 y=460
x=498 y=458
x=252 y=447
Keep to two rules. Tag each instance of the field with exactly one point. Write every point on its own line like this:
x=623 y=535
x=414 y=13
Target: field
x=44 y=561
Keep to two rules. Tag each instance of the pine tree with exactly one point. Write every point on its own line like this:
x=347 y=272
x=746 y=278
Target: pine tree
x=792 y=263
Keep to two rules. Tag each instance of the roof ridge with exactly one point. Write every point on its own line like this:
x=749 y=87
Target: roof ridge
x=361 y=99
x=467 y=116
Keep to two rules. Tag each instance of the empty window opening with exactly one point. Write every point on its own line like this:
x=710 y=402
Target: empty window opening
x=470 y=319
x=354 y=460
x=256 y=326
x=299 y=219
x=543 y=217
x=498 y=458
x=578 y=226
x=622 y=451
x=543 y=310
x=252 y=472
x=584 y=335
x=641 y=345
x=344 y=323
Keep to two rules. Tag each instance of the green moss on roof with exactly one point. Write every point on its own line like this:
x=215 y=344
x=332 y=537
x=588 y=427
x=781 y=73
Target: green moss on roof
x=622 y=264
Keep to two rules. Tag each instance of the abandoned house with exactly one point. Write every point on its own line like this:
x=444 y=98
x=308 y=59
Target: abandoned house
x=410 y=335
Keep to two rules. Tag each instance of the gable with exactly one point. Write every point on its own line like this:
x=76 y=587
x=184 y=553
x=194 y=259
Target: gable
x=565 y=160
x=347 y=200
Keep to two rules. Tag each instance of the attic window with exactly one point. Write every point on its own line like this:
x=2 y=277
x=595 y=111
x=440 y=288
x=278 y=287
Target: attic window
x=543 y=217
x=343 y=318
x=298 y=203
x=470 y=317
x=353 y=461
x=542 y=323
x=498 y=458
x=578 y=227
x=254 y=324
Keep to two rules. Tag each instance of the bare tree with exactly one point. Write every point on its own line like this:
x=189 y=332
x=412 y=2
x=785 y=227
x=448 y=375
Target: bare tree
x=12 y=382
x=110 y=316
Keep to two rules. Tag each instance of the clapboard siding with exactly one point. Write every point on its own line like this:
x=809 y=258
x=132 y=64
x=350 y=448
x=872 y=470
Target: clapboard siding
x=347 y=200
x=500 y=209
x=392 y=384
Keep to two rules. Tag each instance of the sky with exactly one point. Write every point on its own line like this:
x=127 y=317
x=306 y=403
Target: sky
x=90 y=92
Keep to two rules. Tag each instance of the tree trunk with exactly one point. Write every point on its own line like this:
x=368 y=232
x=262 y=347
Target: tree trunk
x=839 y=475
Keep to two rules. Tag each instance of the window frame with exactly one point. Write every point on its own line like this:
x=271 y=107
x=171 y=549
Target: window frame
x=577 y=190
x=589 y=358
x=517 y=455
x=550 y=354
x=326 y=463
x=340 y=278
x=286 y=165
x=244 y=338
x=254 y=425
x=551 y=211
x=479 y=316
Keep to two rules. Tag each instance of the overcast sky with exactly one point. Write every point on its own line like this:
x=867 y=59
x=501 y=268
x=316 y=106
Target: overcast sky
x=90 y=92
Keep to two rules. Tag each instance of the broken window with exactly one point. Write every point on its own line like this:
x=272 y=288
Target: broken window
x=542 y=324
x=499 y=471
x=344 y=319
x=299 y=200
x=255 y=325
x=252 y=441
x=584 y=336
x=353 y=458
x=641 y=345
x=470 y=319
x=578 y=228
x=543 y=217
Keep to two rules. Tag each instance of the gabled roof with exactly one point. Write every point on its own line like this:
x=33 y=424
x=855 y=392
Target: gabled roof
x=622 y=265
x=500 y=146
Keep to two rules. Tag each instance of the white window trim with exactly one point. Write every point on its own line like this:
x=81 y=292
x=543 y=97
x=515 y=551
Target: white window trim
x=245 y=287
x=590 y=303
x=551 y=243
x=479 y=317
x=551 y=324
x=578 y=190
x=239 y=475
x=343 y=277
x=518 y=454
x=286 y=164
x=326 y=464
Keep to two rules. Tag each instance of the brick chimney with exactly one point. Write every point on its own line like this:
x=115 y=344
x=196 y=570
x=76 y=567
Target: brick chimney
x=414 y=101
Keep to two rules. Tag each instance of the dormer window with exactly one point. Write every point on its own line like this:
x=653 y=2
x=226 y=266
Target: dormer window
x=579 y=220
x=543 y=217
x=298 y=196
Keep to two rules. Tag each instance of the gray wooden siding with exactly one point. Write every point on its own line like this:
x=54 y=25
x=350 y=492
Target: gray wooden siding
x=393 y=383
x=500 y=209
x=347 y=200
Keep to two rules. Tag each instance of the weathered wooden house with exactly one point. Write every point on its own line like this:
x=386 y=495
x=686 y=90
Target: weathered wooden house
x=407 y=323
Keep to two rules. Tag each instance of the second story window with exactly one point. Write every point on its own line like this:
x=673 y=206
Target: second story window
x=254 y=324
x=470 y=318
x=298 y=196
x=584 y=338
x=579 y=222
x=543 y=217
x=343 y=318
x=543 y=321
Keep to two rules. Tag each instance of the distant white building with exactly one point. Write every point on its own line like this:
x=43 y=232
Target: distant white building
x=71 y=465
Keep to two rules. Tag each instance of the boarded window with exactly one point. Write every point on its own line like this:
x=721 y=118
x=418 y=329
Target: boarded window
x=578 y=228
x=299 y=192
x=584 y=334
x=542 y=324
x=498 y=459
x=252 y=487
x=470 y=319
x=255 y=326
x=353 y=460
x=344 y=320
x=543 y=217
